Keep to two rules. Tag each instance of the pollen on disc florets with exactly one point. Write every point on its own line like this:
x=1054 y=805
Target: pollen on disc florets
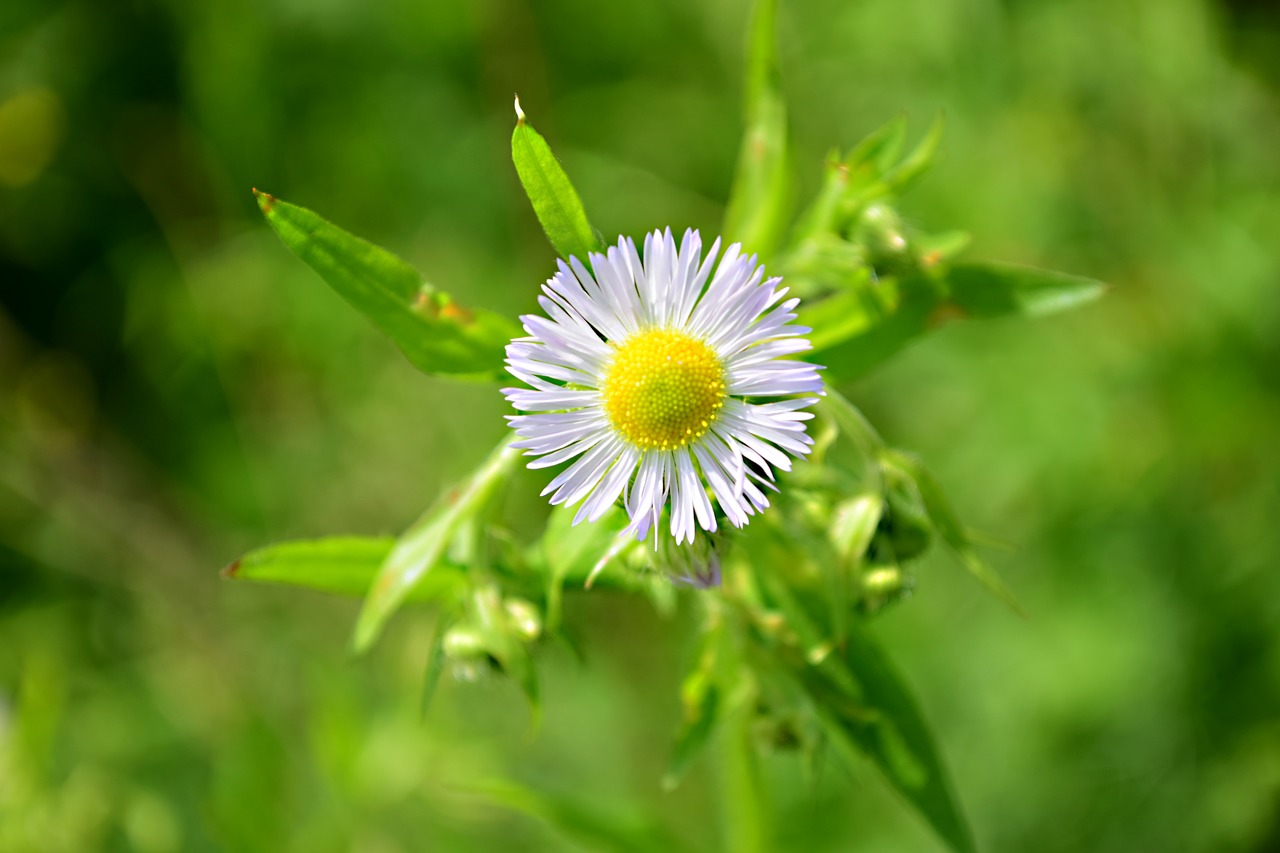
x=663 y=389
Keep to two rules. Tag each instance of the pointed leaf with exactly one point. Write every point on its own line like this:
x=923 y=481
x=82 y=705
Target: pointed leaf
x=879 y=149
x=420 y=550
x=555 y=201
x=756 y=212
x=343 y=565
x=898 y=739
x=918 y=161
x=985 y=290
x=436 y=334
x=948 y=525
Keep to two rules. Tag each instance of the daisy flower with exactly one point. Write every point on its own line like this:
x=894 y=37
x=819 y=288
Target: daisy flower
x=649 y=374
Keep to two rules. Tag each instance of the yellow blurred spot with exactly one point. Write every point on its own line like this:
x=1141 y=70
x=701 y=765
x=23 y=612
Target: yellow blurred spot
x=31 y=125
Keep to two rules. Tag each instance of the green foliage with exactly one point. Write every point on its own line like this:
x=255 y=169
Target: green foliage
x=435 y=333
x=170 y=389
x=554 y=200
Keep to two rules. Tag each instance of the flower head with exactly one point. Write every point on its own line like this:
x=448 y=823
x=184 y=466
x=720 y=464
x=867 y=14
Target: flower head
x=649 y=376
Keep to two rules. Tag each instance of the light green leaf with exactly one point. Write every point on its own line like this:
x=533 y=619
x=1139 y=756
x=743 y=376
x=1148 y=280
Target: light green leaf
x=756 y=212
x=342 y=565
x=555 y=201
x=948 y=525
x=915 y=164
x=436 y=334
x=983 y=290
x=419 y=551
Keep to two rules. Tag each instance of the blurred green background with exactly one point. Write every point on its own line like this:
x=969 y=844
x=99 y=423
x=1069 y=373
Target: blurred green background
x=176 y=388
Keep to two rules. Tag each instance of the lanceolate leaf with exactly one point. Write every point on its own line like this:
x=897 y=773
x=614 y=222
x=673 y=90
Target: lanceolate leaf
x=997 y=290
x=554 y=199
x=420 y=550
x=343 y=565
x=436 y=334
x=756 y=213
x=864 y=706
x=897 y=738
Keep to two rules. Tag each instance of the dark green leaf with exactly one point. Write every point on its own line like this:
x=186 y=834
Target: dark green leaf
x=436 y=334
x=756 y=213
x=898 y=739
x=420 y=550
x=984 y=290
x=555 y=201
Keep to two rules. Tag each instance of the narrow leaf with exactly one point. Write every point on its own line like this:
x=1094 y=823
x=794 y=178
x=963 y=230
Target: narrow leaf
x=555 y=201
x=948 y=525
x=984 y=290
x=915 y=164
x=436 y=334
x=582 y=819
x=756 y=213
x=343 y=565
x=419 y=551
x=879 y=149
x=898 y=739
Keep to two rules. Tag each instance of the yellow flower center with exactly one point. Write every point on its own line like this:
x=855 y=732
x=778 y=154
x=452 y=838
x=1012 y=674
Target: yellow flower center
x=663 y=389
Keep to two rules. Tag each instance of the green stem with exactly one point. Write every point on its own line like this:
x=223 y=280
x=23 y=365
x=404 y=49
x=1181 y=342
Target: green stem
x=744 y=806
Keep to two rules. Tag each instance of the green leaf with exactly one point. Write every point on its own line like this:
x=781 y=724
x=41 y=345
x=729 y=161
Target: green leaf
x=948 y=525
x=555 y=201
x=984 y=290
x=864 y=706
x=582 y=819
x=342 y=565
x=419 y=551
x=897 y=738
x=918 y=161
x=756 y=212
x=879 y=150
x=914 y=315
x=436 y=334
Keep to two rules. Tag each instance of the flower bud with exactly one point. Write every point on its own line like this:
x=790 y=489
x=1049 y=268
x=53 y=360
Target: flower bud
x=524 y=617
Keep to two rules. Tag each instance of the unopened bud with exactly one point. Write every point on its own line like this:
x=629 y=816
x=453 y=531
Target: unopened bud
x=525 y=618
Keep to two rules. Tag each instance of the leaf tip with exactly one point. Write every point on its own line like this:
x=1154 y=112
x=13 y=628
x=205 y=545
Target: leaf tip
x=519 y=112
x=232 y=571
x=265 y=200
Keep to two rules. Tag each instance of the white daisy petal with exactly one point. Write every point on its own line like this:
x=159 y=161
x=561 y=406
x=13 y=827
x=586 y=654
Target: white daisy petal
x=635 y=374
